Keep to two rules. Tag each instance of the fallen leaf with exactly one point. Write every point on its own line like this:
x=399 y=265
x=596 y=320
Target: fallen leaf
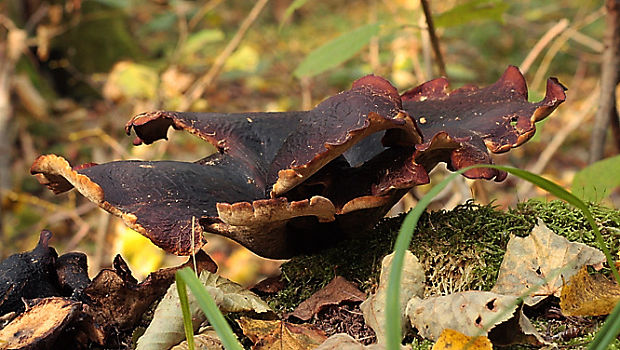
x=269 y=285
x=337 y=291
x=469 y=313
x=588 y=295
x=542 y=258
x=453 y=340
x=343 y=341
x=166 y=328
x=412 y=284
x=280 y=334
x=207 y=339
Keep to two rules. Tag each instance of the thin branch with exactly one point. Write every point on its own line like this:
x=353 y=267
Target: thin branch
x=609 y=79
x=434 y=39
x=554 y=31
x=196 y=90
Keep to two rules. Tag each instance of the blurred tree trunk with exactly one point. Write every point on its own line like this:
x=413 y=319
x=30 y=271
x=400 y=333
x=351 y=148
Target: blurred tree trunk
x=607 y=112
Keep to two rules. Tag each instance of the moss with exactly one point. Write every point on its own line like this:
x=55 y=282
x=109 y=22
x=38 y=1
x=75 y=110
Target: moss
x=569 y=222
x=461 y=249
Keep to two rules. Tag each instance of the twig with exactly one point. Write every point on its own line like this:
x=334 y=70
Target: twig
x=578 y=119
x=196 y=90
x=206 y=8
x=306 y=94
x=609 y=79
x=554 y=31
x=433 y=35
x=426 y=52
x=557 y=45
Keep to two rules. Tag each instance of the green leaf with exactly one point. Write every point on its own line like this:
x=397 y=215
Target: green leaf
x=598 y=180
x=291 y=8
x=215 y=317
x=473 y=10
x=198 y=41
x=336 y=51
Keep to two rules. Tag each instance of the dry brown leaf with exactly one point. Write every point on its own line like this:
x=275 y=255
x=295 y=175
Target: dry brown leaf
x=469 y=312
x=412 y=284
x=281 y=335
x=337 y=291
x=343 y=341
x=587 y=295
x=167 y=328
x=542 y=258
x=206 y=340
x=453 y=340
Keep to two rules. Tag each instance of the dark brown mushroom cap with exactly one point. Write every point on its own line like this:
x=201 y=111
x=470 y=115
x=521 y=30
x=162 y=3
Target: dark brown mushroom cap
x=286 y=148
x=459 y=126
x=284 y=183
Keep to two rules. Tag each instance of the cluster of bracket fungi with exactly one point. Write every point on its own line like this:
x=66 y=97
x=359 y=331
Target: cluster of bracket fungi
x=283 y=183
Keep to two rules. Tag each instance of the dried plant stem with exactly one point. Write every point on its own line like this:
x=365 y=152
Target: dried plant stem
x=196 y=90
x=609 y=79
x=554 y=31
x=306 y=93
x=577 y=119
x=433 y=36
x=558 y=44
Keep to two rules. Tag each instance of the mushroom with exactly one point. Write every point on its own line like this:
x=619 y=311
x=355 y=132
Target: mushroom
x=285 y=183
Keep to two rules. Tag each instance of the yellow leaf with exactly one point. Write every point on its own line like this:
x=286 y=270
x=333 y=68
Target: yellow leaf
x=129 y=80
x=453 y=340
x=587 y=295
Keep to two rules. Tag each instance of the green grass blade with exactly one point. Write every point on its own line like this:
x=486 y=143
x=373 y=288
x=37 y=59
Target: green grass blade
x=187 y=317
x=403 y=240
x=215 y=317
x=336 y=51
x=405 y=234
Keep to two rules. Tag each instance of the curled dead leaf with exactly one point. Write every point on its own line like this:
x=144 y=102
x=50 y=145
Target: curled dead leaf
x=589 y=295
x=542 y=258
x=337 y=291
x=450 y=339
x=267 y=335
x=473 y=313
x=412 y=285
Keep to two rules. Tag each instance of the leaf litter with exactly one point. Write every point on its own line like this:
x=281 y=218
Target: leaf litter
x=542 y=259
x=166 y=329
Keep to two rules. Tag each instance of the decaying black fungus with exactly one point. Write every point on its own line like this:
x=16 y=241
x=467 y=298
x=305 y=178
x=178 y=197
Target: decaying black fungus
x=72 y=271
x=285 y=183
x=41 y=325
x=65 y=308
x=116 y=300
x=28 y=275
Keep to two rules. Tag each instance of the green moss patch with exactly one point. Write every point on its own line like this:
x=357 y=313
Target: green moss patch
x=461 y=249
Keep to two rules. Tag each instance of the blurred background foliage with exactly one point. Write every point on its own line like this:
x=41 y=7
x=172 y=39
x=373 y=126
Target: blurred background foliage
x=73 y=72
